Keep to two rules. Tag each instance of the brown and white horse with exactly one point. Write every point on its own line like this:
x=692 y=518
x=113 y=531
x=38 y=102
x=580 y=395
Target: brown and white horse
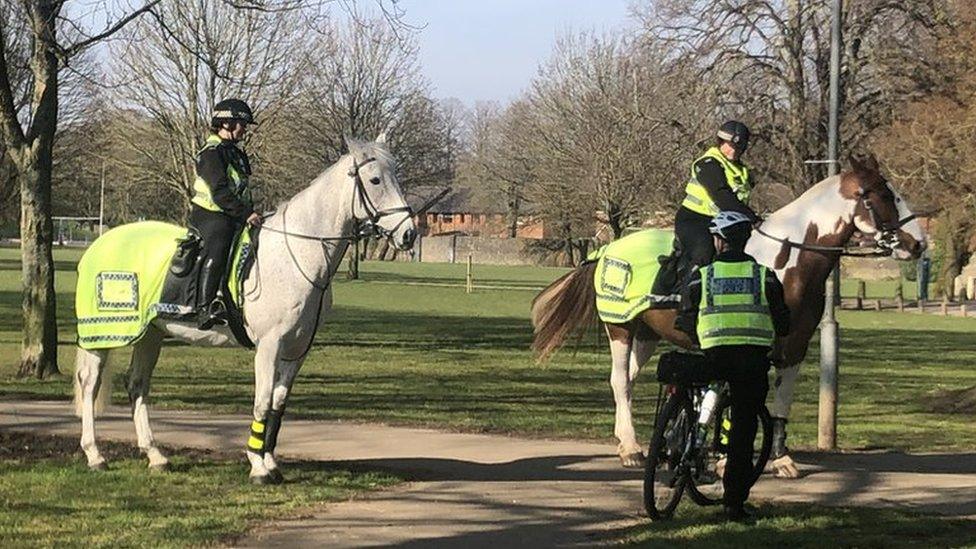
x=802 y=242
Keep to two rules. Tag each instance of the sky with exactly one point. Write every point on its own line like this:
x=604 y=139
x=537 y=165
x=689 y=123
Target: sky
x=477 y=50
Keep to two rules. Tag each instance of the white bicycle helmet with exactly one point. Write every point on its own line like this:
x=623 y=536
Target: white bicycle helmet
x=726 y=224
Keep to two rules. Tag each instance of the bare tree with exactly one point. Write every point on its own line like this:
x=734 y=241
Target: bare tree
x=52 y=39
x=367 y=83
x=498 y=164
x=608 y=118
x=211 y=51
x=929 y=149
x=772 y=57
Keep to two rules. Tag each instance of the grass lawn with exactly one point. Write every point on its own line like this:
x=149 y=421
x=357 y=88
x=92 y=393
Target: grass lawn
x=201 y=502
x=799 y=526
x=406 y=345
x=403 y=353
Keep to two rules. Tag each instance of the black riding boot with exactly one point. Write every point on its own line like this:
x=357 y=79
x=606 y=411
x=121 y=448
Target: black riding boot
x=217 y=231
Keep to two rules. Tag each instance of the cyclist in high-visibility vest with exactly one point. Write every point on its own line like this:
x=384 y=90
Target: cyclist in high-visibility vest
x=734 y=308
x=221 y=200
x=719 y=181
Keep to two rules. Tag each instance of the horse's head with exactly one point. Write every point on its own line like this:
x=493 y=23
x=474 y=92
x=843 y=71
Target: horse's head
x=379 y=202
x=881 y=213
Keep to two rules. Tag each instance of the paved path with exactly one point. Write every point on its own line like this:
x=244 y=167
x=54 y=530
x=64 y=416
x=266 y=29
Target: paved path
x=493 y=491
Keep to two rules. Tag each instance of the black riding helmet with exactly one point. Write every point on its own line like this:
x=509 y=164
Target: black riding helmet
x=736 y=133
x=231 y=110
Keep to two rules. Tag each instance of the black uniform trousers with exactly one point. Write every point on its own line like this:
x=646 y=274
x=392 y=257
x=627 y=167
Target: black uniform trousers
x=217 y=230
x=691 y=229
x=745 y=368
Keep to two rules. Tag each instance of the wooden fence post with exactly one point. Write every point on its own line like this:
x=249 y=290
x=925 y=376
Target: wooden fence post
x=861 y=294
x=945 y=305
x=900 y=297
x=469 y=280
x=962 y=309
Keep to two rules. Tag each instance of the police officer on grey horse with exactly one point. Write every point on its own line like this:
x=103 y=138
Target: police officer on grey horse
x=222 y=201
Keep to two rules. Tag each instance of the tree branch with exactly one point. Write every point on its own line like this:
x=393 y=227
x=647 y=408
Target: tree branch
x=13 y=134
x=71 y=50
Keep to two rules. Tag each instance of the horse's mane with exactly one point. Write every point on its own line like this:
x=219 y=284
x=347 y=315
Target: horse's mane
x=361 y=149
x=803 y=201
x=370 y=149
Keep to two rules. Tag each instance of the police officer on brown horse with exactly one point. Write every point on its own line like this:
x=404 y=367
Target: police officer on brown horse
x=719 y=182
x=222 y=201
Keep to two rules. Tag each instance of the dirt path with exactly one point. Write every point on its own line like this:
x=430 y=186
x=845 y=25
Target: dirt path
x=492 y=491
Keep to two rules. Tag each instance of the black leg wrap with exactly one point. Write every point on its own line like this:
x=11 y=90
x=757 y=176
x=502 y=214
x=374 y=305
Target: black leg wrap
x=779 y=438
x=271 y=430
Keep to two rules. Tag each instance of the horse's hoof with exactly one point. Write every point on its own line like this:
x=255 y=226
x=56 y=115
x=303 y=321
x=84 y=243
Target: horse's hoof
x=633 y=461
x=720 y=467
x=785 y=467
x=265 y=480
x=159 y=467
x=276 y=476
x=100 y=466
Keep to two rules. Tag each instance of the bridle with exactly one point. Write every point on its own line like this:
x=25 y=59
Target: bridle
x=370 y=225
x=883 y=245
x=367 y=226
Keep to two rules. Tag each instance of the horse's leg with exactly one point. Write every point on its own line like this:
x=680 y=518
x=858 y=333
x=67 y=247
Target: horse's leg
x=145 y=354
x=88 y=371
x=628 y=449
x=642 y=347
x=265 y=360
x=783 y=399
x=285 y=372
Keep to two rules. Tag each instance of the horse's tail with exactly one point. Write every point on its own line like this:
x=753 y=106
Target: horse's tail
x=92 y=363
x=563 y=308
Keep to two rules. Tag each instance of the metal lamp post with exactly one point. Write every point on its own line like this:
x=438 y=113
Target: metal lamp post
x=829 y=329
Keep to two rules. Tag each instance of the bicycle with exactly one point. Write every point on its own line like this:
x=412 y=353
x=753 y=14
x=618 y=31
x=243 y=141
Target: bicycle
x=690 y=437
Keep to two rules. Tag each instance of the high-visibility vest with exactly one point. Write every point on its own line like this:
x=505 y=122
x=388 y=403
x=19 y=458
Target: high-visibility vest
x=238 y=177
x=733 y=308
x=697 y=198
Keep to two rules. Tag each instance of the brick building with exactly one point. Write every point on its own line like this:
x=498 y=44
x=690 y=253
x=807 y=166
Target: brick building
x=459 y=213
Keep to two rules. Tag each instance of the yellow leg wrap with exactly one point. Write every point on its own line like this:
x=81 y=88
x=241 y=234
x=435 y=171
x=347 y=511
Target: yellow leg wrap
x=726 y=428
x=256 y=441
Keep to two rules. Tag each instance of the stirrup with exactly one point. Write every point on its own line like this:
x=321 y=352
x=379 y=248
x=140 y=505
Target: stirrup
x=213 y=315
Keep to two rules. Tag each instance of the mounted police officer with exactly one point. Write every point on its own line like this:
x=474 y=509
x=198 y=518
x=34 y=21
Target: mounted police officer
x=734 y=308
x=221 y=202
x=719 y=182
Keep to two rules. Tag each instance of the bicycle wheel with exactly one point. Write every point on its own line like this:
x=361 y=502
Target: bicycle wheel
x=665 y=475
x=705 y=486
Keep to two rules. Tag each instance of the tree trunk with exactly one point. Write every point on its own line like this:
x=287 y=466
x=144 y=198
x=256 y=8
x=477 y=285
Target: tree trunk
x=39 y=354
x=513 y=216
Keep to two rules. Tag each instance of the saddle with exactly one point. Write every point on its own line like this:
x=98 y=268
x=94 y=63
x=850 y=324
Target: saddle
x=189 y=272
x=674 y=271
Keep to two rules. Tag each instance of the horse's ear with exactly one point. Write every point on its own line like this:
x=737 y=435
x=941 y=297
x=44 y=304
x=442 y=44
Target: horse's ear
x=353 y=145
x=871 y=163
x=855 y=163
